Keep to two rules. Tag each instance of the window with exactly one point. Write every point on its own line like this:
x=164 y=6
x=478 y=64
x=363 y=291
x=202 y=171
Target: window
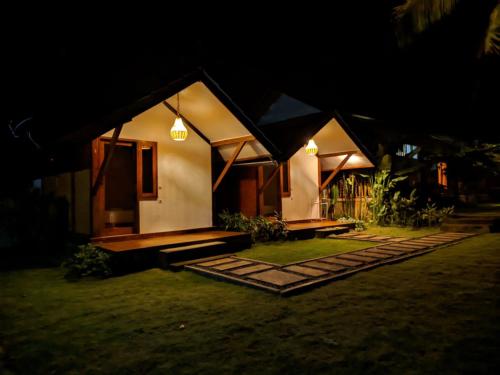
x=147 y=171
x=408 y=150
x=442 y=176
x=285 y=179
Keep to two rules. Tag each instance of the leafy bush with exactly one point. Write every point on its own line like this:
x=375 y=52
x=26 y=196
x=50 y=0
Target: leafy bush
x=359 y=225
x=432 y=215
x=259 y=227
x=88 y=261
x=389 y=207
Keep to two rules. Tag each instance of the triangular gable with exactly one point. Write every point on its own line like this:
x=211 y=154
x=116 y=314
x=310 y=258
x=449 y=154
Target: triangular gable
x=217 y=123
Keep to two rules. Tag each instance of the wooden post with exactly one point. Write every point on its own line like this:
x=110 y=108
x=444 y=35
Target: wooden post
x=228 y=165
x=105 y=165
x=335 y=171
x=269 y=179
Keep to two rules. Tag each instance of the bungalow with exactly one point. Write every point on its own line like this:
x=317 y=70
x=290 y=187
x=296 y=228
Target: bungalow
x=189 y=151
x=293 y=181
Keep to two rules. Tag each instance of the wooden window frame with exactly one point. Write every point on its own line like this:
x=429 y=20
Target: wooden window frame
x=141 y=195
x=288 y=193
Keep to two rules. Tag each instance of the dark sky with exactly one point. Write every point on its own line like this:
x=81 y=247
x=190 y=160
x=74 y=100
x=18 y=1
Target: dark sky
x=66 y=71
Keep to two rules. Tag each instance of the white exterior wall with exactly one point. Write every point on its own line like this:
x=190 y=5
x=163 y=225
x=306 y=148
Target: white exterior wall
x=184 y=175
x=303 y=201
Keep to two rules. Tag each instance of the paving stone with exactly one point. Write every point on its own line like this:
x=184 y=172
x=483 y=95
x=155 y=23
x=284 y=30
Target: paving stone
x=324 y=266
x=390 y=252
x=410 y=245
x=346 y=235
x=429 y=240
x=251 y=269
x=381 y=238
x=423 y=242
x=360 y=258
x=397 y=239
x=228 y=266
x=306 y=270
x=364 y=236
x=278 y=278
x=372 y=254
x=448 y=236
x=216 y=262
x=447 y=239
x=397 y=248
x=426 y=243
x=344 y=262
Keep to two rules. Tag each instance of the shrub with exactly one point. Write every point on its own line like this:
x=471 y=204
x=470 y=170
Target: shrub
x=259 y=227
x=88 y=261
x=359 y=225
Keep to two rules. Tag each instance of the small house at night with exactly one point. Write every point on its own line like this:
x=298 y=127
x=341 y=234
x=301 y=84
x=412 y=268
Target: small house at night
x=149 y=176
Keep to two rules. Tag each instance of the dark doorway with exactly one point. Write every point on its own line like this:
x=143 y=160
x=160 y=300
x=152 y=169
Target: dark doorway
x=120 y=196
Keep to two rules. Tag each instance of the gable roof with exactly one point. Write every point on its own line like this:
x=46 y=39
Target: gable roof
x=126 y=113
x=301 y=122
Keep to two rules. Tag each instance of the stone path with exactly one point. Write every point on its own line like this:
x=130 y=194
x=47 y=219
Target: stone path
x=360 y=236
x=299 y=276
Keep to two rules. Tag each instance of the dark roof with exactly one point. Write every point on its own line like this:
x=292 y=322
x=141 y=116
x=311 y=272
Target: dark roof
x=285 y=108
x=290 y=135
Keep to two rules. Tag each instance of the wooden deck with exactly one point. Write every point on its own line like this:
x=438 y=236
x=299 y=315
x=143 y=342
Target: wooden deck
x=135 y=254
x=167 y=241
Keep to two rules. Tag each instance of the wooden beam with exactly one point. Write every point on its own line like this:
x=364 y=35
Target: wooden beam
x=105 y=164
x=335 y=171
x=319 y=175
x=228 y=165
x=269 y=179
x=336 y=154
x=188 y=123
x=230 y=141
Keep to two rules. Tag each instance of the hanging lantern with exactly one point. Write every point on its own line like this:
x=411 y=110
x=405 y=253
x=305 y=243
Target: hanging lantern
x=311 y=148
x=178 y=132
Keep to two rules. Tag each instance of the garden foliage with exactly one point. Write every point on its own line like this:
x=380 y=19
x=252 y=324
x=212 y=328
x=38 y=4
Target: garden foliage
x=88 y=261
x=260 y=228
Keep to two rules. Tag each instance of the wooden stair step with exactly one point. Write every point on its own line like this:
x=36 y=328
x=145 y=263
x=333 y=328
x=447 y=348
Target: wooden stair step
x=327 y=232
x=190 y=252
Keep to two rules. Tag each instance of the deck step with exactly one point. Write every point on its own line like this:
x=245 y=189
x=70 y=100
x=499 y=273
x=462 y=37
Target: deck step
x=180 y=265
x=190 y=252
x=325 y=232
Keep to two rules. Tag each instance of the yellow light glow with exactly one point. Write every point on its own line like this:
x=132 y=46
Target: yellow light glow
x=178 y=131
x=311 y=148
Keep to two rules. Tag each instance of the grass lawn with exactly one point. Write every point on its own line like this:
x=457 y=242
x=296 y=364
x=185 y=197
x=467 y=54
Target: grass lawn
x=438 y=313
x=294 y=251
x=284 y=252
x=401 y=231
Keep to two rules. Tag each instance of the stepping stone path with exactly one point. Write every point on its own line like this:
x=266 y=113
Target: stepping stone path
x=299 y=276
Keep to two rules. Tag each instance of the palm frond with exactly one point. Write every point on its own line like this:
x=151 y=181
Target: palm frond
x=415 y=16
x=492 y=39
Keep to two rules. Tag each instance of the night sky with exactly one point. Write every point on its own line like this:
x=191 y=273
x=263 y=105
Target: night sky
x=65 y=73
